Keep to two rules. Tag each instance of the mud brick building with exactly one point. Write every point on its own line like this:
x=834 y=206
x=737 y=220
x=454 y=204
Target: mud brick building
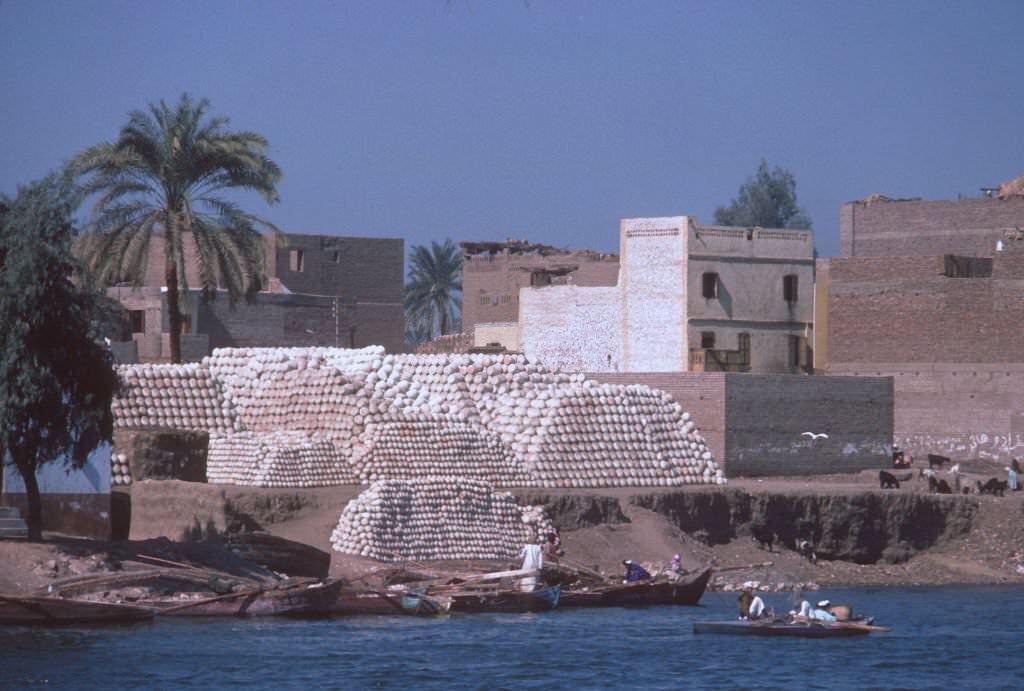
x=323 y=290
x=931 y=293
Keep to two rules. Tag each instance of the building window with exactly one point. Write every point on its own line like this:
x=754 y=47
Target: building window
x=336 y=257
x=710 y=285
x=485 y=300
x=186 y=324
x=789 y=288
x=743 y=344
x=296 y=261
x=707 y=339
x=138 y=319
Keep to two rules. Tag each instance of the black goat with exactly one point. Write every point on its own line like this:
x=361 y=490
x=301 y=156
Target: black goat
x=938 y=486
x=887 y=480
x=993 y=486
x=763 y=536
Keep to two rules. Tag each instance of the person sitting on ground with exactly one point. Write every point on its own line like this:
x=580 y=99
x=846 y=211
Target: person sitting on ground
x=822 y=613
x=634 y=572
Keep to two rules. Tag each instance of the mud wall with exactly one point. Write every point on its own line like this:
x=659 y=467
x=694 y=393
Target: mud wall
x=864 y=528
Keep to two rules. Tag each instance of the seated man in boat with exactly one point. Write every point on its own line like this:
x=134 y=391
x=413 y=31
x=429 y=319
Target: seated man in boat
x=822 y=612
x=634 y=572
x=675 y=571
x=751 y=606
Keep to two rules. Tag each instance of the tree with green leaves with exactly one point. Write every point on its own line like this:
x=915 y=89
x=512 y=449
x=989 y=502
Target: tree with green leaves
x=165 y=177
x=767 y=199
x=56 y=380
x=433 y=302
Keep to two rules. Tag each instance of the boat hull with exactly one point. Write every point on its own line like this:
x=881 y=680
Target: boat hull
x=747 y=628
x=643 y=593
x=53 y=611
x=298 y=601
x=507 y=601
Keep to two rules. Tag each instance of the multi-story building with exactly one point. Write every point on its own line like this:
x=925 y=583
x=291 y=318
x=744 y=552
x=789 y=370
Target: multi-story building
x=323 y=290
x=931 y=293
x=689 y=297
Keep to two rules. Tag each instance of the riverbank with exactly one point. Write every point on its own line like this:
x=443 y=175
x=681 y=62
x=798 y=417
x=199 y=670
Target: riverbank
x=863 y=536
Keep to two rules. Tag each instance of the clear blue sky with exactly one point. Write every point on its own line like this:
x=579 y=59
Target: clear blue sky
x=542 y=120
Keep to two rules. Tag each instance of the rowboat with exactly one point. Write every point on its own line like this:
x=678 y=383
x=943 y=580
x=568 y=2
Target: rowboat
x=506 y=600
x=791 y=629
x=55 y=611
x=315 y=599
x=684 y=592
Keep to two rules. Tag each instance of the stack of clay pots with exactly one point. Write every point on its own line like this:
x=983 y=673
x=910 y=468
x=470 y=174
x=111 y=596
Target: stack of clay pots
x=172 y=396
x=276 y=459
x=435 y=518
x=492 y=417
x=419 y=446
x=120 y=472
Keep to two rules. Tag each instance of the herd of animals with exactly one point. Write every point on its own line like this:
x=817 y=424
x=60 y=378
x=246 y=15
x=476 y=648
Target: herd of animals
x=936 y=485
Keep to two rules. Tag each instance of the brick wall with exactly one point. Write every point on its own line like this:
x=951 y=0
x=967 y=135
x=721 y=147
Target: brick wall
x=363 y=269
x=904 y=310
x=766 y=416
x=892 y=228
x=961 y=410
x=754 y=423
x=301 y=320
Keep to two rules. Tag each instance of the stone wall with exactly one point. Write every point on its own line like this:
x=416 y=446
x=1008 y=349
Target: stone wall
x=360 y=269
x=916 y=227
x=572 y=328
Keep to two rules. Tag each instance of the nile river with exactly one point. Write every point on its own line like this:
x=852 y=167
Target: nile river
x=943 y=638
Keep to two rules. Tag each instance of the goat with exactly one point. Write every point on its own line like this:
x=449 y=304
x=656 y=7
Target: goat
x=887 y=480
x=936 y=461
x=938 y=486
x=806 y=550
x=992 y=486
x=763 y=536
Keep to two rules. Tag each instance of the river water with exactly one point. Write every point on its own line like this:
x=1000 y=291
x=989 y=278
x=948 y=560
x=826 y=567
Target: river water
x=943 y=638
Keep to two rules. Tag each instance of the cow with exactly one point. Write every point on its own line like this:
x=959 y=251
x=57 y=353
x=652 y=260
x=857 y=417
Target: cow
x=887 y=480
x=806 y=550
x=936 y=461
x=992 y=486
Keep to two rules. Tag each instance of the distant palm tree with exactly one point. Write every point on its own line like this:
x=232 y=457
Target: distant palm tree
x=432 y=294
x=164 y=177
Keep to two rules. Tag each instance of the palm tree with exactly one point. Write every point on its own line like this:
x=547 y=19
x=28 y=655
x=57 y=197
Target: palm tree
x=432 y=294
x=164 y=177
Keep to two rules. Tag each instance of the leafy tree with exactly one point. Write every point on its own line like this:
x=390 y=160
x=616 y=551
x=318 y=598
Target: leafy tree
x=433 y=303
x=56 y=381
x=767 y=199
x=164 y=177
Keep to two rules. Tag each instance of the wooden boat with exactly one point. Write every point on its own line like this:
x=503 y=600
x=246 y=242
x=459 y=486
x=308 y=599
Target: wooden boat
x=685 y=592
x=314 y=599
x=790 y=629
x=423 y=605
x=363 y=602
x=55 y=611
x=506 y=600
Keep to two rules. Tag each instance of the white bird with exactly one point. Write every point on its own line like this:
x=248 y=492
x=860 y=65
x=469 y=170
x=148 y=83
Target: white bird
x=812 y=435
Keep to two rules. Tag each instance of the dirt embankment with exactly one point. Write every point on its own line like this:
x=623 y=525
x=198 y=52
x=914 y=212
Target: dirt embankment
x=862 y=536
